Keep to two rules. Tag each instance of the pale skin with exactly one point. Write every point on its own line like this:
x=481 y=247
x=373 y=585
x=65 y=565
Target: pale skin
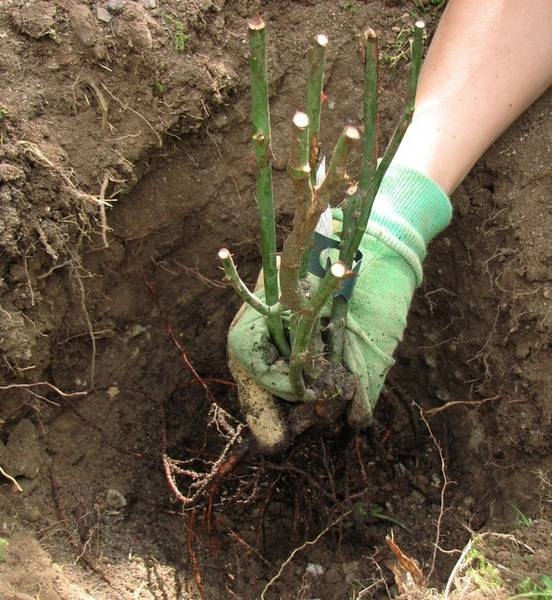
x=488 y=61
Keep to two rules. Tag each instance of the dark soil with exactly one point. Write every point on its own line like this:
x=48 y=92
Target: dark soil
x=149 y=111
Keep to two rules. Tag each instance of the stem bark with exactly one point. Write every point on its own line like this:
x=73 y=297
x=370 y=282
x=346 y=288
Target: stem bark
x=261 y=136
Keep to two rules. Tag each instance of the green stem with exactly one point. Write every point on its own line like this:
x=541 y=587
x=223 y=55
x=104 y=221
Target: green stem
x=336 y=175
x=338 y=323
x=299 y=168
x=261 y=136
x=315 y=82
x=305 y=325
x=355 y=219
x=337 y=171
x=231 y=275
x=415 y=61
x=359 y=205
x=304 y=222
x=406 y=117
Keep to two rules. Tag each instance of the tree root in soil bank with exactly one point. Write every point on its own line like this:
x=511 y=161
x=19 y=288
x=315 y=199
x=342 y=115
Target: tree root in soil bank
x=81 y=548
x=201 y=474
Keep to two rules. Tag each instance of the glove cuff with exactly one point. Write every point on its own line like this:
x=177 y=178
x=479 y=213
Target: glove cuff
x=409 y=211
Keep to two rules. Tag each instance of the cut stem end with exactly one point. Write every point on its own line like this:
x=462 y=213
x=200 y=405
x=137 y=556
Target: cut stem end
x=339 y=270
x=352 y=134
x=369 y=35
x=321 y=40
x=256 y=23
x=224 y=254
x=301 y=120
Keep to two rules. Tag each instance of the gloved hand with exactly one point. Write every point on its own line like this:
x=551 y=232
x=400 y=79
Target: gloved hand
x=409 y=211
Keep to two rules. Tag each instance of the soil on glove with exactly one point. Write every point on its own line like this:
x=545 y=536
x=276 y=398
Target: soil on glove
x=125 y=164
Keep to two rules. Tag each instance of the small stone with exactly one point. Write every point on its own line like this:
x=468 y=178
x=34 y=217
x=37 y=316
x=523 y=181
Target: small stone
x=459 y=375
x=351 y=570
x=149 y=3
x=103 y=15
x=133 y=26
x=416 y=497
x=468 y=502
x=21 y=456
x=536 y=272
x=430 y=360
x=35 y=19
x=136 y=330
x=84 y=26
x=523 y=349
x=115 y=499
x=10 y=172
x=32 y=513
x=442 y=395
x=115 y=7
x=314 y=570
x=220 y=121
x=436 y=481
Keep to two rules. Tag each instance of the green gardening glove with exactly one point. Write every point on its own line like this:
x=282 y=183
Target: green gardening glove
x=409 y=211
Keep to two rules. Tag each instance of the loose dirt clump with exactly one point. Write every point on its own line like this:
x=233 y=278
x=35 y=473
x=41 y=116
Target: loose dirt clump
x=125 y=164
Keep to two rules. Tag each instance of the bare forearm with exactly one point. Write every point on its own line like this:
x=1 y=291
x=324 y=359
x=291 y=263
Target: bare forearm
x=487 y=63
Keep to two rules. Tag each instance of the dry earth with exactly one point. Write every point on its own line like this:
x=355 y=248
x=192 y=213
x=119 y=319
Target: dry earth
x=125 y=163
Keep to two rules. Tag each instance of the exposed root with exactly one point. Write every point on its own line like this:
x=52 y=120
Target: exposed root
x=446 y=483
x=406 y=570
x=248 y=548
x=89 y=325
x=102 y=103
x=302 y=547
x=78 y=547
x=103 y=216
x=45 y=243
x=433 y=411
x=52 y=387
x=36 y=153
x=203 y=474
x=14 y=483
x=456 y=569
x=192 y=555
x=135 y=112
x=174 y=339
x=29 y=285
